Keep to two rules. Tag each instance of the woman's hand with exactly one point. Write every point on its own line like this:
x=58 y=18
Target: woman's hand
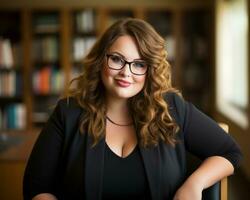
x=211 y=170
x=189 y=191
x=44 y=196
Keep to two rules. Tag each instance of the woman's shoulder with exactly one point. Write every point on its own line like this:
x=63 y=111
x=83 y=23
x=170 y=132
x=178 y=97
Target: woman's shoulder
x=68 y=106
x=177 y=106
x=174 y=100
x=68 y=101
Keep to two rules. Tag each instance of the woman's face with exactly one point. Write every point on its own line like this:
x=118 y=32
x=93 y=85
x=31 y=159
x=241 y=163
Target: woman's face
x=123 y=83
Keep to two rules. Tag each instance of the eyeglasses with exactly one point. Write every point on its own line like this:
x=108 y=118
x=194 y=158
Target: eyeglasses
x=116 y=62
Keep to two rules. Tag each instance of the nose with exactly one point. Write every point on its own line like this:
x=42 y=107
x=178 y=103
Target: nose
x=125 y=71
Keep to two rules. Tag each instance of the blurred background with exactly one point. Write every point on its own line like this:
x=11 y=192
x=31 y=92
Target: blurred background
x=42 y=43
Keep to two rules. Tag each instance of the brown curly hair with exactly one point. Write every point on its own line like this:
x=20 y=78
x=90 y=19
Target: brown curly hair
x=149 y=109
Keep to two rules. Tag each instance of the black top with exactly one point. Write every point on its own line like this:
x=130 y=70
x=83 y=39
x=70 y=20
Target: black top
x=64 y=163
x=124 y=178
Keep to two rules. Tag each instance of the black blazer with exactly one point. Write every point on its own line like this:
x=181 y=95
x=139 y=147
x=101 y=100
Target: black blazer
x=63 y=163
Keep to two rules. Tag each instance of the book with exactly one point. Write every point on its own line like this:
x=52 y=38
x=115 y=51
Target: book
x=13 y=116
x=45 y=49
x=81 y=47
x=44 y=85
x=1 y=119
x=47 y=80
x=46 y=23
x=85 y=21
x=20 y=116
x=10 y=84
x=6 y=54
x=170 y=47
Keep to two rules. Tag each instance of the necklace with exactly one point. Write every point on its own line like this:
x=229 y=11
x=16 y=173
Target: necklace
x=117 y=123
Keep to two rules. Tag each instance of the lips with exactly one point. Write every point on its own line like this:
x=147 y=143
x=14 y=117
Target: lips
x=122 y=83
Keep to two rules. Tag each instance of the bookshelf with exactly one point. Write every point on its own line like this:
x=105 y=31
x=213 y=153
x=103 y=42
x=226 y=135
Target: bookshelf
x=48 y=45
x=47 y=74
x=163 y=22
x=84 y=34
x=196 y=58
x=12 y=106
x=116 y=14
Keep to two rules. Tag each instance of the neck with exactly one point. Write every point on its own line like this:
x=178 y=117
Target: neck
x=110 y=120
x=118 y=109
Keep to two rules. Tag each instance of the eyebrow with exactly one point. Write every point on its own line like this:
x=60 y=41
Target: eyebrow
x=137 y=59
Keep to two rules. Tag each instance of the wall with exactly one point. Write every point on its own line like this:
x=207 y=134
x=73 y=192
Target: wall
x=241 y=136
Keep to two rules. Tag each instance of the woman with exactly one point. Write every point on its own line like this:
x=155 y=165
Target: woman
x=123 y=131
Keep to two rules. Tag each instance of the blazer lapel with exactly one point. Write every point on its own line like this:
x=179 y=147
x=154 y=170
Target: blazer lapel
x=94 y=169
x=151 y=159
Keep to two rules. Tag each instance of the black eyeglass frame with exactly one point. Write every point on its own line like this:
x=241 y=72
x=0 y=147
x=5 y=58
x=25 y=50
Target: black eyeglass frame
x=125 y=62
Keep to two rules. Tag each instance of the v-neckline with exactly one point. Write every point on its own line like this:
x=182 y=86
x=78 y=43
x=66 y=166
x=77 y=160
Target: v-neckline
x=120 y=157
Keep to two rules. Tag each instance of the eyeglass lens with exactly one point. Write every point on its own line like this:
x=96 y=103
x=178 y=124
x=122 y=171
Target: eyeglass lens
x=117 y=62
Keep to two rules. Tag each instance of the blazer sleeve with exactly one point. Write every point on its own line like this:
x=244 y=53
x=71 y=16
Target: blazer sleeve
x=203 y=137
x=41 y=170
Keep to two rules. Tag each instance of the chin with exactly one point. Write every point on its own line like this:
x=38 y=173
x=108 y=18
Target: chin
x=126 y=94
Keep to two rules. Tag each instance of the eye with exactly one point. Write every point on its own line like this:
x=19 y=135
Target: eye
x=116 y=59
x=140 y=64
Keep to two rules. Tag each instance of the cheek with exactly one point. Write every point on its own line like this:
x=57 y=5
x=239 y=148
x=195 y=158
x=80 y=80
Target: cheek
x=107 y=76
x=107 y=72
x=140 y=80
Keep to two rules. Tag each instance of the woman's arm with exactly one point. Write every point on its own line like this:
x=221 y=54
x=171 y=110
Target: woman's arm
x=44 y=196
x=41 y=171
x=210 y=171
x=204 y=138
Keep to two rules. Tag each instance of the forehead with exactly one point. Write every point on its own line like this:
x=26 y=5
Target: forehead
x=127 y=46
